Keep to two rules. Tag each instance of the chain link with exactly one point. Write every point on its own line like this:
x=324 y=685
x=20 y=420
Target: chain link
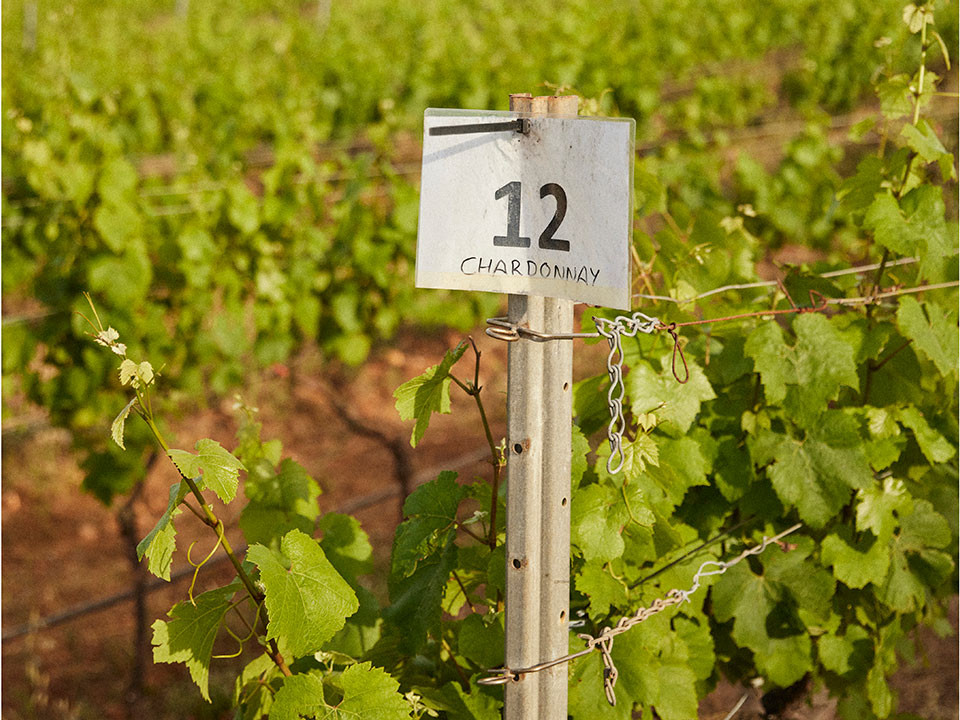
x=603 y=642
x=614 y=331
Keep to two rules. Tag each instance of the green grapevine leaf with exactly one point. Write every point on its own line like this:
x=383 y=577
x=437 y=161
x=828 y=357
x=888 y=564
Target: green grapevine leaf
x=428 y=393
x=733 y=471
x=638 y=455
x=932 y=332
x=481 y=639
x=496 y=571
x=695 y=634
x=307 y=600
x=753 y=603
x=279 y=501
x=902 y=590
x=136 y=375
x=926 y=211
x=914 y=564
x=431 y=512
x=199 y=252
x=124 y=280
x=879 y=692
x=597 y=517
x=659 y=393
x=882 y=422
x=119 y=422
x=923 y=140
x=603 y=589
x=266 y=525
x=815 y=474
x=934 y=446
x=346 y=545
x=809 y=584
x=128 y=372
x=654 y=668
x=845 y=653
x=914 y=226
x=682 y=464
x=220 y=469
x=363 y=628
x=772 y=359
x=889 y=227
x=417 y=598
x=883 y=452
x=252 y=689
x=824 y=362
x=369 y=693
x=475 y=705
x=161 y=542
x=590 y=404
x=188 y=636
x=578 y=460
x=858 y=192
x=896 y=99
x=924 y=527
x=878 y=505
x=914 y=17
x=586 y=699
x=857 y=564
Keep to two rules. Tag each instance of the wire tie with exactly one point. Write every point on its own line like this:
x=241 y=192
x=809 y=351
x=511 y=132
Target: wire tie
x=818 y=302
x=672 y=330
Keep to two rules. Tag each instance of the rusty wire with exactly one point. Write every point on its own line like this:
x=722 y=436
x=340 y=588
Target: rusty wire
x=603 y=641
x=500 y=328
x=858 y=270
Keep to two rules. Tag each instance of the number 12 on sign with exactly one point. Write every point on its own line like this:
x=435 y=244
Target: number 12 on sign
x=546 y=241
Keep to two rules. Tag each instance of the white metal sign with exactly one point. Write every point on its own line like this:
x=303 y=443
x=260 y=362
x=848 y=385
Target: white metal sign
x=527 y=205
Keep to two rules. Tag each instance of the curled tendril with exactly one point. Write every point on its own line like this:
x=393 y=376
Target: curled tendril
x=241 y=641
x=197 y=566
x=230 y=655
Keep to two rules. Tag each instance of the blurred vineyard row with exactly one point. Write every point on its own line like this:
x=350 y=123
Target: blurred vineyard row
x=232 y=180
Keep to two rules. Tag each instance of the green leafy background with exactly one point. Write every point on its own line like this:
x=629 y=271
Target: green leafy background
x=226 y=213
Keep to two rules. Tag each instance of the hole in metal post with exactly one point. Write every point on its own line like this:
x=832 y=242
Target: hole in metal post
x=563 y=503
x=566 y=386
x=517 y=564
x=563 y=615
x=517 y=448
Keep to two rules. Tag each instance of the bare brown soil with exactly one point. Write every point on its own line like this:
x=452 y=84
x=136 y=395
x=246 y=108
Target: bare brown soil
x=62 y=548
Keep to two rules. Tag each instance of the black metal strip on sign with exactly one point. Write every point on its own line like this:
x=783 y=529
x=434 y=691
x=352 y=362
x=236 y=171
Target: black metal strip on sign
x=521 y=125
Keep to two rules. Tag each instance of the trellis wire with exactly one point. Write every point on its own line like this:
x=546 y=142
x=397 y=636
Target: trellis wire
x=628 y=326
x=510 y=334
x=603 y=641
x=775 y=283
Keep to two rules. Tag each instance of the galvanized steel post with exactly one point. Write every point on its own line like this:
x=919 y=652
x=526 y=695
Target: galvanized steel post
x=539 y=412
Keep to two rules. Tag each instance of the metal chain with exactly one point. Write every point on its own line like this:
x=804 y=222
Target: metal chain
x=603 y=642
x=614 y=331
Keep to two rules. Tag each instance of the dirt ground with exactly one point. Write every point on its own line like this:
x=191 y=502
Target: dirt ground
x=61 y=548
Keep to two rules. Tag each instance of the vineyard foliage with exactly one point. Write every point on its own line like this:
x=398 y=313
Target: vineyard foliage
x=133 y=147
x=232 y=180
